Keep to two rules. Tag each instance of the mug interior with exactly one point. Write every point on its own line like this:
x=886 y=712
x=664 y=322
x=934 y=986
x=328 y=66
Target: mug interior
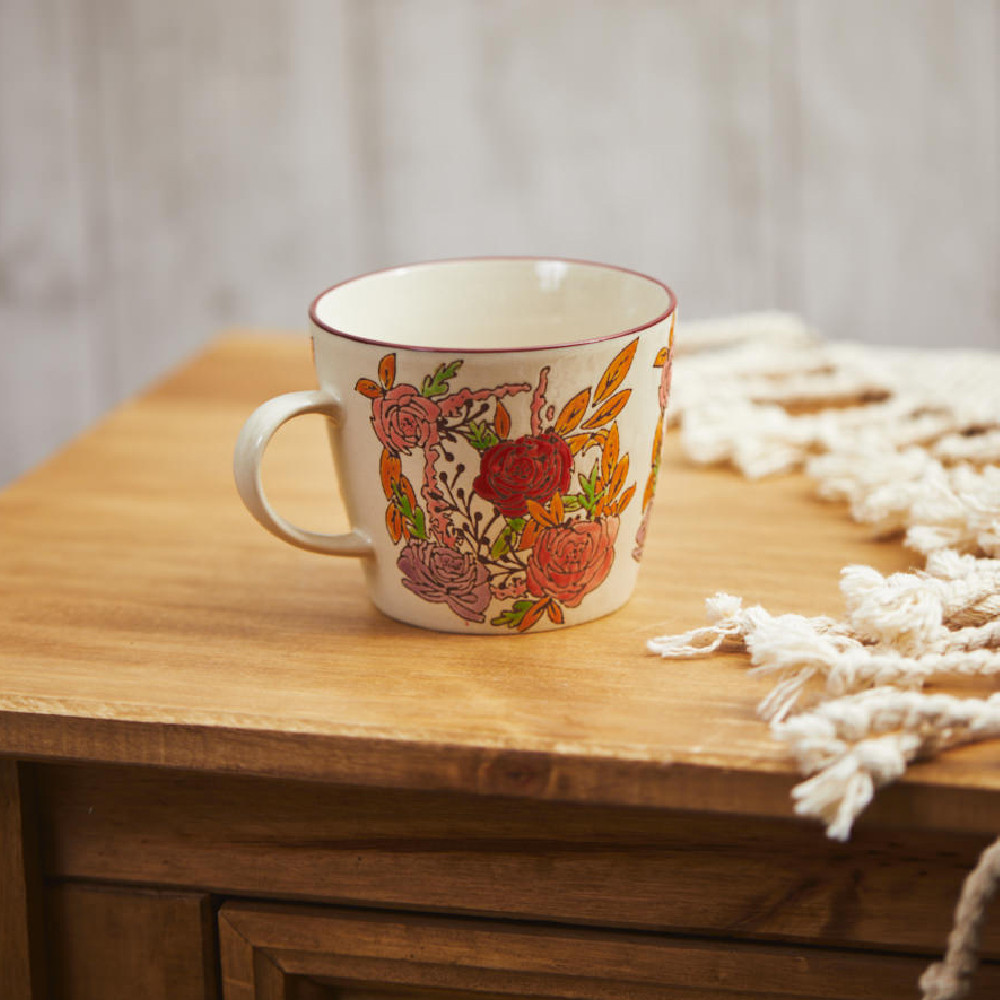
x=493 y=304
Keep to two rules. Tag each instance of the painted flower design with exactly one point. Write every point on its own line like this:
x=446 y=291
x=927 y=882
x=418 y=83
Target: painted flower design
x=570 y=560
x=665 y=374
x=442 y=575
x=663 y=361
x=530 y=468
x=524 y=524
x=405 y=420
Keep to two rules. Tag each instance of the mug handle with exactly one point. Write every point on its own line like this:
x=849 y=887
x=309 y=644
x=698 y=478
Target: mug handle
x=254 y=438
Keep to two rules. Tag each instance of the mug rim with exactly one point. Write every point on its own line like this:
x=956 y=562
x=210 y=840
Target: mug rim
x=326 y=327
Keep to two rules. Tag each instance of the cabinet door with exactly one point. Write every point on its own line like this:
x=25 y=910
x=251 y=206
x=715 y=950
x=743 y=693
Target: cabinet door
x=115 y=943
x=321 y=953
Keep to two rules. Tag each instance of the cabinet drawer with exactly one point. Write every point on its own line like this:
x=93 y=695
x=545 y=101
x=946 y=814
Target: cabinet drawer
x=635 y=869
x=275 y=952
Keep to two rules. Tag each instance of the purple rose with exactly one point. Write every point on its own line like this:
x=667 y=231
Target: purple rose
x=442 y=575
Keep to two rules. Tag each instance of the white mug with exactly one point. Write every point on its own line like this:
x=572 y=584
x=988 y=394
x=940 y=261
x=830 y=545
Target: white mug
x=496 y=427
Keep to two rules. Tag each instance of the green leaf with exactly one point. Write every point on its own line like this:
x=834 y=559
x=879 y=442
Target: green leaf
x=572 y=501
x=413 y=515
x=418 y=526
x=593 y=476
x=481 y=436
x=505 y=539
x=513 y=615
x=589 y=486
x=437 y=384
x=502 y=545
x=402 y=502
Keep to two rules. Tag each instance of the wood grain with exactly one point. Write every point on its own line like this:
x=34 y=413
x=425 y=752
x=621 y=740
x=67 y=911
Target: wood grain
x=109 y=944
x=524 y=961
x=146 y=619
x=639 y=868
x=22 y=963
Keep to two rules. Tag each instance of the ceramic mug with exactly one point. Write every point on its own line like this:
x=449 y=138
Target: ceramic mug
x=496 y=427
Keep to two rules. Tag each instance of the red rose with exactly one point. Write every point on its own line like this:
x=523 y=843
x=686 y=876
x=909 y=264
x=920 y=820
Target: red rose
x=572 y=559
x=404 y=419
x=530 y=468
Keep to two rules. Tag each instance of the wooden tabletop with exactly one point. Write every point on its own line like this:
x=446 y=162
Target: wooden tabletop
x=145 y=618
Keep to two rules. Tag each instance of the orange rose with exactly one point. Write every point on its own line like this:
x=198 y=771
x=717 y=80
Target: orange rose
x=570 y=560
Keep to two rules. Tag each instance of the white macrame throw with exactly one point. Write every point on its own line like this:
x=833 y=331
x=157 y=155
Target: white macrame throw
x=911 y=441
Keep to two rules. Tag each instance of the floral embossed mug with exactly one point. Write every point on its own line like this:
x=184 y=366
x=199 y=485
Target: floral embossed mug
x=496 y=425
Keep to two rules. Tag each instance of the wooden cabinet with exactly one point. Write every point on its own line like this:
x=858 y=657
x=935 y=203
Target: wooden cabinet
x=271 y=952
x=223 y=775
x=313 y=890
x=126 y=943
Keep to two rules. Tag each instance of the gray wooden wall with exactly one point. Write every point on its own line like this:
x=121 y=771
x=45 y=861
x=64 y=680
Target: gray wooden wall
x=169 y=169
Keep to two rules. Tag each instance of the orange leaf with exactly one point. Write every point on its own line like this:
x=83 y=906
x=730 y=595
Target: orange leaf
x=390 y=469
x=661 y=357
x=572 y=413
x=387 y=370
x=557 y=507
x=406 y=488
x=533 y=614
x=555 y=613
x=502 y=422
x=618 y=478
x=528 y=536
x=541 y=515
x=615 y=373
x=394 y=522
x=600 y=507
x=576 y=442
x=657 y=441
x=647 y=494
x=609 y=456
x=368 y=388
x=608 y=410
x=626 y=499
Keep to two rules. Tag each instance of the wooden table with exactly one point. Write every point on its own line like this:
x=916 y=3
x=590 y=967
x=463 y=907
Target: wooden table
x=225 y=774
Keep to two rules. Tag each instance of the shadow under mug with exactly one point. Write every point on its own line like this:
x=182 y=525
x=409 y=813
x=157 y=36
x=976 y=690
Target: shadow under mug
x=496 y=427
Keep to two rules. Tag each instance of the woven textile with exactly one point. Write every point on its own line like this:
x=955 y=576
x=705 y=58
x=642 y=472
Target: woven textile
x=911 y=441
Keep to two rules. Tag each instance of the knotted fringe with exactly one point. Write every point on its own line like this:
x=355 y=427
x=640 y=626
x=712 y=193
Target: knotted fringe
x=952 y=978
x=911 y=441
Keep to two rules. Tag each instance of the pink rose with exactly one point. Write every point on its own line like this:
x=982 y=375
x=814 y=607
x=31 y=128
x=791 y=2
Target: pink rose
x=640 y=535
x=665 y=380
x=404 y=420
x=570 y=560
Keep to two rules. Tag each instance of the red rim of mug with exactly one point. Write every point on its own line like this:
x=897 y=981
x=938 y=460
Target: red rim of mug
x=671 y=306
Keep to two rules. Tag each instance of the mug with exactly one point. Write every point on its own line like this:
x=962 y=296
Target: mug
x=496 y=427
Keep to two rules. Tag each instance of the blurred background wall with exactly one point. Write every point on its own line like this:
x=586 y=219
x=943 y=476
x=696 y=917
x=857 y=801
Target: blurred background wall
x=171 y=169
